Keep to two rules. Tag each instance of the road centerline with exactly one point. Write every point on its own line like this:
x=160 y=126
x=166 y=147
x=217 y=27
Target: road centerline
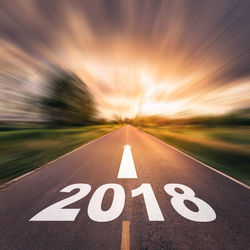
x=125 y=243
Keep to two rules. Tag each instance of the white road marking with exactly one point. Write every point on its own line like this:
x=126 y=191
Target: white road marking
x=57 y=212
x=205 y=165
x=205 y=212
x=95 y=211
x=127 y=167
x=152 y=206
x=60 y=157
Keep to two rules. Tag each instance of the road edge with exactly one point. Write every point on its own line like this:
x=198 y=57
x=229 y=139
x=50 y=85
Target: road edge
x=202 y=163
x=3 y=186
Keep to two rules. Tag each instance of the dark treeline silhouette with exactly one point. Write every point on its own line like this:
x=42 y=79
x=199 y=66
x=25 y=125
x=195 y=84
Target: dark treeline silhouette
x=67 y=100
x=236 y=118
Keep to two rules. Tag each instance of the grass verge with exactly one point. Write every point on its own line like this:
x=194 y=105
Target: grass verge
x=224 y=148
x=23 y=149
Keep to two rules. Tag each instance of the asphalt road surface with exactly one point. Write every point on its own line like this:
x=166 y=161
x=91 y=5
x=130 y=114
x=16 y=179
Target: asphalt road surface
x=209 y=212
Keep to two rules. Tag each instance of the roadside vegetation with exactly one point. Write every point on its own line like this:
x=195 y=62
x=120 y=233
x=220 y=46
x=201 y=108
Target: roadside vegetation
x=59 y=119
x=26 y=147
x=224 y=148
x=63 y=115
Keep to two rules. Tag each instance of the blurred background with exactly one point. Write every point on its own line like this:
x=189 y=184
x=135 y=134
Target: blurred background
x=71 y=71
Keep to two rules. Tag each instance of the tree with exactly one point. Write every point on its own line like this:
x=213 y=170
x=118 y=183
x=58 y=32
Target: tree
x=117 y=119
x=68 y=100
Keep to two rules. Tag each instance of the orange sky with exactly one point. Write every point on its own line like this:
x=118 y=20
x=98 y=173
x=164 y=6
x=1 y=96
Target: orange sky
x=174 y=58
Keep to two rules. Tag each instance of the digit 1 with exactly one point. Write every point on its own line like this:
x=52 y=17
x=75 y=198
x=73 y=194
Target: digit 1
x=152 y=206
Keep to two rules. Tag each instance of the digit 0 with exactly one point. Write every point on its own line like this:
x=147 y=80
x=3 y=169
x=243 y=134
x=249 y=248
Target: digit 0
x=95 y=211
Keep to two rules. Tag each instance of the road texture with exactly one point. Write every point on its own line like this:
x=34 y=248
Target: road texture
x=97 y=164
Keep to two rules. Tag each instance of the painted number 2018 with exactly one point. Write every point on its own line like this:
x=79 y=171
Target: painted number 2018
x=57 y=212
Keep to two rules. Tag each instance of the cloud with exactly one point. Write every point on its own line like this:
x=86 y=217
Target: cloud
x=167 y=57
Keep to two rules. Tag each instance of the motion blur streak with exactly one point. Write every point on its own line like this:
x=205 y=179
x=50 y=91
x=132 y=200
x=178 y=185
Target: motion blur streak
x=177 y=58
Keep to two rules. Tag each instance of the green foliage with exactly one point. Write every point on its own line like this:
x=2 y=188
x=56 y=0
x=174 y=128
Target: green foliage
x=22 y=150
x=238 y=117
x=68 y=100
x=224 y=148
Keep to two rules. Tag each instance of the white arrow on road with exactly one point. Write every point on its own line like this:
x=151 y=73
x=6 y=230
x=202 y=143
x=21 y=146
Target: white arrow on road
x=127 y=167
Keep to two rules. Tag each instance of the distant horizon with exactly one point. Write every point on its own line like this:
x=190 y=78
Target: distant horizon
x=40 y=119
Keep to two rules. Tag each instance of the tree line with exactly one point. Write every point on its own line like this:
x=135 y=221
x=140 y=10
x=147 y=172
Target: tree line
x=67 y=100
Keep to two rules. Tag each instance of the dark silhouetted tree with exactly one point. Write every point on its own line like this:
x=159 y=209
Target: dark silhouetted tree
x=68 y=100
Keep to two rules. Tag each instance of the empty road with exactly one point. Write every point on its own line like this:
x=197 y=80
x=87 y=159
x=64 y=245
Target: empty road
x=162 y=199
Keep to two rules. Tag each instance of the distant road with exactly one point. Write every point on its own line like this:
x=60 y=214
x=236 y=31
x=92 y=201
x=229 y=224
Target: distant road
x=198 y=208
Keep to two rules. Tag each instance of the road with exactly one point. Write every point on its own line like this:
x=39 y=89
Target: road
x=108 y=220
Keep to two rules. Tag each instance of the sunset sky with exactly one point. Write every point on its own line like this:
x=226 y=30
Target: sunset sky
x=170 y=57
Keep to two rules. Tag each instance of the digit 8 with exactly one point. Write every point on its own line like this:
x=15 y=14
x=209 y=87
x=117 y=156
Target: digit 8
x=205 y=212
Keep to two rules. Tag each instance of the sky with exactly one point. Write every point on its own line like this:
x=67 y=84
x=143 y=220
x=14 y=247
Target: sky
x=170 y=57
